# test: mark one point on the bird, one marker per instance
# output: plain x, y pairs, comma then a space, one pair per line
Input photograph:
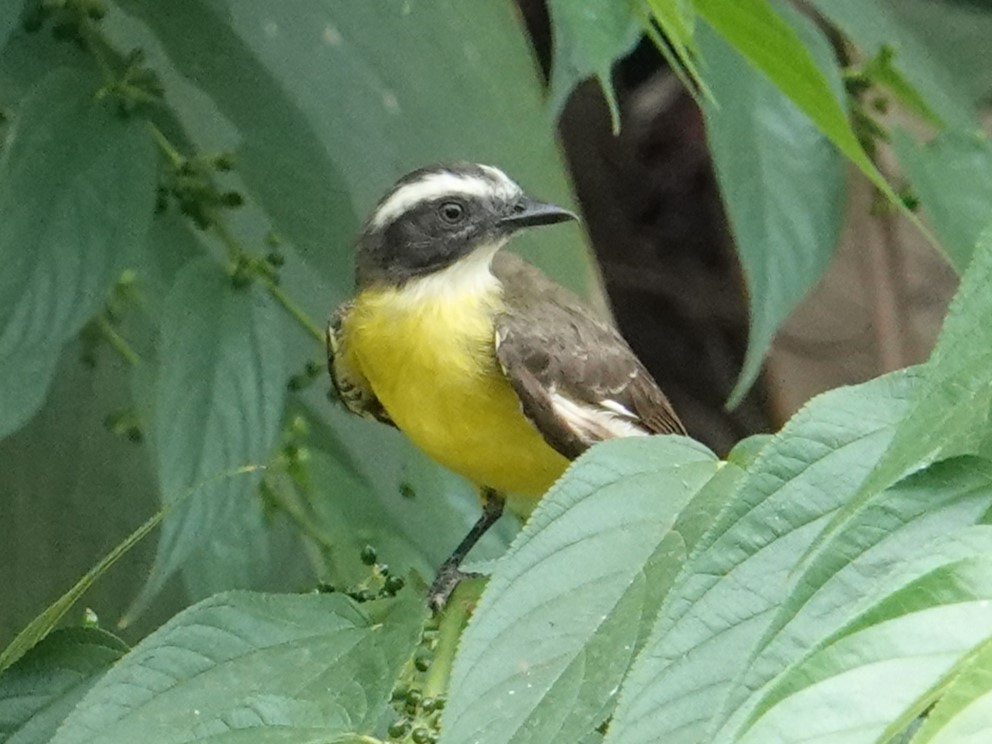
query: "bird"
490, 367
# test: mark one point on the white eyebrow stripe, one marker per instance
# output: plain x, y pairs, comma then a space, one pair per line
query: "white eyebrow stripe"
437, 185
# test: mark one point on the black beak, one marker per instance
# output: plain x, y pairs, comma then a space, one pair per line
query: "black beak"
527, 213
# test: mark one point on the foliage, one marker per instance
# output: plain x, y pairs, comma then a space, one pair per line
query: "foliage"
180, 185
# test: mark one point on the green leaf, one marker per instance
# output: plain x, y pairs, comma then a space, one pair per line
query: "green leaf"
892, 650
39, 691
952, 176
42, 625
588, 38
327, 110
253, 668
77, 185
873, 26
964, 711
761, 36
597, 554
949, 412
9, 21
785, 224
738, 572
218, 404
677, 19
910, 530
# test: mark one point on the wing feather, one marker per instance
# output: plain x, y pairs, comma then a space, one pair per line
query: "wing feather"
348, 382
577, 379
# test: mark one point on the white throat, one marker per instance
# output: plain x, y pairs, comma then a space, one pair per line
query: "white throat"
469, 276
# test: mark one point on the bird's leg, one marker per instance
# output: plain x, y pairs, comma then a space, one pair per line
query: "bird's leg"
449, 574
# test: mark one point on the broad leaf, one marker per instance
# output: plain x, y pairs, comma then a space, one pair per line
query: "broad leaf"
9, 22
912, 529
218, 403
785, 224
253, 668
588, 38
596, 556
896, 650
952, 176
77, 185
39, 628
949, 412
738, 574
768, 43
963, 714
38, 692
874, 25
327, 109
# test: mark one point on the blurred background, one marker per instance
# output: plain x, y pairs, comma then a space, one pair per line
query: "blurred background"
322, 105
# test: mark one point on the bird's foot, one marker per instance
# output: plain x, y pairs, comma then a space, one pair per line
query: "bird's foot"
449, 576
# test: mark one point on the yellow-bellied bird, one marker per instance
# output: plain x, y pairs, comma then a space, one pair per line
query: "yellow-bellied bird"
491, 368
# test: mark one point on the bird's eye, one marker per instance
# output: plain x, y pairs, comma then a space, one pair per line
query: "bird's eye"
451, 212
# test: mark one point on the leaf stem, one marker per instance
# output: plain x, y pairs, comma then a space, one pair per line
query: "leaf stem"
234, 250
116, 341
453, 622
174, 156
296, 515
292, 308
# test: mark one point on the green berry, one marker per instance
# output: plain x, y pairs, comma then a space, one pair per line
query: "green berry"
368, 555
421, 735
394, 584
232, 199
398, 728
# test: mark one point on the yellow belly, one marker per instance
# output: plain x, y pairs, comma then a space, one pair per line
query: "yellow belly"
432, 365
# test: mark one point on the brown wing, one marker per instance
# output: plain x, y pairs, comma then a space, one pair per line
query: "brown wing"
577, 379
349, 383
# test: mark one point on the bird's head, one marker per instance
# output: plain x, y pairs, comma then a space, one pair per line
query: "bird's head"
435, 216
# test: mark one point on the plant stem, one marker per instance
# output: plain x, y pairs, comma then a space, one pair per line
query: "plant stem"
453, 622
292, 308
296, 515
165, 145
117, 341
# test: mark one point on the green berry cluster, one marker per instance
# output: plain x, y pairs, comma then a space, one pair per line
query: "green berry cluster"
66, 17
311, 371
190, 183
418, 716
380, 584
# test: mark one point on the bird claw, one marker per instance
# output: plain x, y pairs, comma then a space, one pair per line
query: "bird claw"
449, 576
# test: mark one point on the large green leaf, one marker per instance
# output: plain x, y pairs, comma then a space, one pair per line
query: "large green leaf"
38, 692
9, 21
596, 556
956, 35
896, 650
218, 403
911, 530
253, 668
767, 41
963, 714
588, 38
738, 573
874, 25
39, 628
950, 407
952, 176
76, 190
327, 108
785, 224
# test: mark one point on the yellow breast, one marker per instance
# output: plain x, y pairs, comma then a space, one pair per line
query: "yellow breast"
429, 357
